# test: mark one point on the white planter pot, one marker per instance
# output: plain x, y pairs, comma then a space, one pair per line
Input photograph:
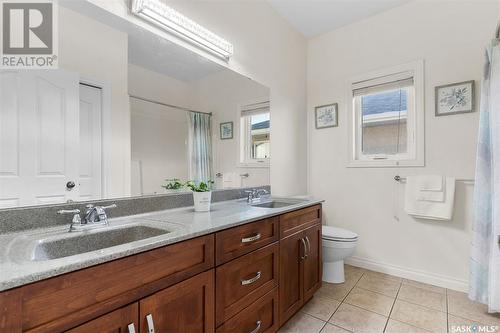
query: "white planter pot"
202, 201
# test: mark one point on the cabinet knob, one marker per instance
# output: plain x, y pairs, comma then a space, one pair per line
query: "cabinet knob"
70, 185
251, 239
256, 329
252, 280
151, 324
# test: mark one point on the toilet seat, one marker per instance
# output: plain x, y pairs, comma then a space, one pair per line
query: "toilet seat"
338, 234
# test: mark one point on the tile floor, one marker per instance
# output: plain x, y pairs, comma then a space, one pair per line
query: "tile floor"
372, 302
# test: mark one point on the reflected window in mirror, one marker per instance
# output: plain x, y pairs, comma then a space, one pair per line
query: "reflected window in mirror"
255, 134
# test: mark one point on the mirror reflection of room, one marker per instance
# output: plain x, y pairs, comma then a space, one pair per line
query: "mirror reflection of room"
127, 112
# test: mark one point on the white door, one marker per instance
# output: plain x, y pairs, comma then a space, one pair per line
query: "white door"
90, 142
39, 137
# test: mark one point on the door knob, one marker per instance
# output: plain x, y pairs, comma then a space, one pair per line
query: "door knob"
70, 185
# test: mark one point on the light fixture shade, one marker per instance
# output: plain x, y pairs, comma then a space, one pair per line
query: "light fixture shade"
157, 12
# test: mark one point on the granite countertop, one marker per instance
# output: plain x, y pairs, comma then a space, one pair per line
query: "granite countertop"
17, 249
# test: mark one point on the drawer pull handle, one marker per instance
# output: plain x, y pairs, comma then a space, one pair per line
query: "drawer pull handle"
252, 280
131, 328
151, 324
258, 327
308, 246
251, 239
304, 256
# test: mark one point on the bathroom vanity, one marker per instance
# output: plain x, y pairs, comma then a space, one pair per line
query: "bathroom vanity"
239, 268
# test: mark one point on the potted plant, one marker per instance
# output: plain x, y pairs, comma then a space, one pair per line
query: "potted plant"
173, 185
202, 195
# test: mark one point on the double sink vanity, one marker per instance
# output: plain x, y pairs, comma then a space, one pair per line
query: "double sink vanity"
239, 268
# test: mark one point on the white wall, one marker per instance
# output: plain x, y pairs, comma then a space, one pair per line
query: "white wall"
451, 40
222, 94
99, 53
268, 50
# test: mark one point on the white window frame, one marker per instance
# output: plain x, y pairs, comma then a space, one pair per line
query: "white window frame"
245, 136
414, 121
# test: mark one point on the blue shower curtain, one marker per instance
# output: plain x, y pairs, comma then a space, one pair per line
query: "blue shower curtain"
200, 146
485, 254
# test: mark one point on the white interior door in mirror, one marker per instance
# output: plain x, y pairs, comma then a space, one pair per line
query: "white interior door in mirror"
39, 137
90, 142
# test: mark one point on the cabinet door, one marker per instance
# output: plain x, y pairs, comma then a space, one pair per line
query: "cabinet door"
186, 307
313, 263
291, 289
124, 320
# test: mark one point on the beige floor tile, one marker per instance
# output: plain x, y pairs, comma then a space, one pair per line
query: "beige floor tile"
382, 275
457, 324
370, 300
394, 326
321, 307
460, 305
358, 320
425, 286
337, 291
422, 297
353, 273
379, 284
302, 323
329, 328
419, 316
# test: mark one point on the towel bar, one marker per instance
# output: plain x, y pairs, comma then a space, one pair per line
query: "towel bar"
400, 179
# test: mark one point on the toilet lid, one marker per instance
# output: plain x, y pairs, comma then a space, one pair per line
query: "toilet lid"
334, 233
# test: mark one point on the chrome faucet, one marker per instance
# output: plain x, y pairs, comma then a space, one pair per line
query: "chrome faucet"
95, 216
255, 194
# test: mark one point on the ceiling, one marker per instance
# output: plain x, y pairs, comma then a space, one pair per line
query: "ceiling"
314, 17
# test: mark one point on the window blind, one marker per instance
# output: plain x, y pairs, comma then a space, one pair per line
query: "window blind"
384, 83
255, 109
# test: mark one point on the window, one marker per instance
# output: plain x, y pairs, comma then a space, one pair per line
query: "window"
255, 134
387, 118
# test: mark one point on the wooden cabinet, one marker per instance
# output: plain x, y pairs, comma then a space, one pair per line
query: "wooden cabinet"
313, 263
234, 242
300, 260
186, 307
250, 278
123, 320
291, 276
242, 281
261, 317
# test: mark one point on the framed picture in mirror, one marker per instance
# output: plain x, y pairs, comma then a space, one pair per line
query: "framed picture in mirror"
226, 130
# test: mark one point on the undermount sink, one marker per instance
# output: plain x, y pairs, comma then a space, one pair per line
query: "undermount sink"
273, 204
87, 242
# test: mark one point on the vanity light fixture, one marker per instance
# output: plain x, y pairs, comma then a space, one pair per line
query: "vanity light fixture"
158, 13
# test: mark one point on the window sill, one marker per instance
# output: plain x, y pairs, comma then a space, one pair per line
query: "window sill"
385, 164
253, 165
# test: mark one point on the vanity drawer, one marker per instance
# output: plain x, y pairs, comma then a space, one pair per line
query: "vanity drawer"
237, 241
58, 303
293, 222
242, 281
261, 315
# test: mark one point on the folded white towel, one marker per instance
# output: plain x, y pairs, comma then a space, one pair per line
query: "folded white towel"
231, 180
423, 205
432, 183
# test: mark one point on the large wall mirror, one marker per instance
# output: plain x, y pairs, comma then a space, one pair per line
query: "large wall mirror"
125, 111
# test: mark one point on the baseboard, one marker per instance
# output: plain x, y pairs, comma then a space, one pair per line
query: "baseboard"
412, 274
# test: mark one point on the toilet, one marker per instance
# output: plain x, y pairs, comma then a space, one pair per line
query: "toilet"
338, 244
